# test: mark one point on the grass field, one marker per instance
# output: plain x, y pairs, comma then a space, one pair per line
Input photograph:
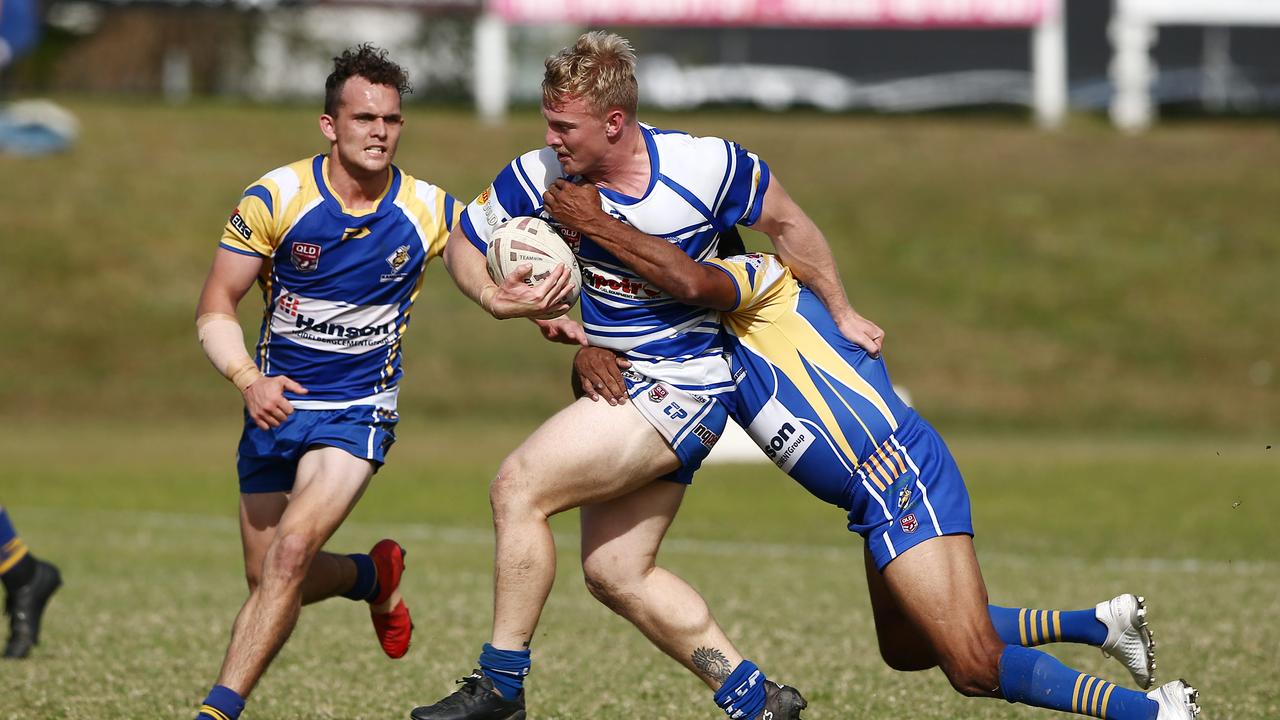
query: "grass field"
141, 520
1090, 319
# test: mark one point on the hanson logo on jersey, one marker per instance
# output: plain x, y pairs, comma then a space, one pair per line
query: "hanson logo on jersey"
333, 326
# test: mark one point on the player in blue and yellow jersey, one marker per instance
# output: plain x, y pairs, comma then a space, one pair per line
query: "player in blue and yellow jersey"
607, 459
29, 582
339, 244
824, 411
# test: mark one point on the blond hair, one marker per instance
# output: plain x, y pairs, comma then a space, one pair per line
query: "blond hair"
600, 69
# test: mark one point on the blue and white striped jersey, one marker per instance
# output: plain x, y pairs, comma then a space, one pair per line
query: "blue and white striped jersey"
698, 188
338, 284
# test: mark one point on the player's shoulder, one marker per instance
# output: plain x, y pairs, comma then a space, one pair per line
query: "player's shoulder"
425, 199
679, 140
278, 187
683, 154
537, 169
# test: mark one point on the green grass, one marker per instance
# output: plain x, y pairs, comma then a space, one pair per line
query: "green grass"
142, 521
1082, 280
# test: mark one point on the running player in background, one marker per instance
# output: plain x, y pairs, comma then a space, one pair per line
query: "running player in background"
339, 244
689, 190
824, 411
28, 584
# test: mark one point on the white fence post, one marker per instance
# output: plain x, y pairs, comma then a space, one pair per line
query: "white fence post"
492, 74
1049, 66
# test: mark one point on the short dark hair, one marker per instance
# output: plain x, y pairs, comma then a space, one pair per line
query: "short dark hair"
368, 62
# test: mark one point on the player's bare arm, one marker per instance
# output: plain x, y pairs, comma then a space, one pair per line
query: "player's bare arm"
220, 335
654, 259
804, 249
513, 298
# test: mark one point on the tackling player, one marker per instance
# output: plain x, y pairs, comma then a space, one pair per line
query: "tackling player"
339, 244
28, 584
824, 411
688, 190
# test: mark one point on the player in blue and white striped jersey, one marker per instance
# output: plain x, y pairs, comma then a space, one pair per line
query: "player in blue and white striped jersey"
687, 190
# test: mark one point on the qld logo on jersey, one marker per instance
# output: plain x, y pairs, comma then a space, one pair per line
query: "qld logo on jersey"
909, 523
334, 326
305, 256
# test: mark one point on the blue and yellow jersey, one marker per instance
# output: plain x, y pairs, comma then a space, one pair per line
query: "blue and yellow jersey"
817, 404
699, 187
338, 284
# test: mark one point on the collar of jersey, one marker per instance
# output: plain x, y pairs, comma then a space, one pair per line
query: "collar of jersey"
654, 169
335, 204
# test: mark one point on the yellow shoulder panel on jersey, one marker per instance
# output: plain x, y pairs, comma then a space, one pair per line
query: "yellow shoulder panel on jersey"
766, 290
433, 211
269, 208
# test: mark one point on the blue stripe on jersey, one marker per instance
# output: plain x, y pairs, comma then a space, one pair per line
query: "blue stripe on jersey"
728, 170
239, 251
470, 231
527, 202
689, 197
449, 202
262, 194
654, 172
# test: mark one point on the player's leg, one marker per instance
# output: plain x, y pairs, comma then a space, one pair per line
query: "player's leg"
903, 646
329, 483
939, 588
1117, 626
620, 540
588, 452
28, 584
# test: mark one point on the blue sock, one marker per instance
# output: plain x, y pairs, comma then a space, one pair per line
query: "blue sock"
366, 585
17, 567
742, 694
506, 668
1029, 628
223, 703
1034, 678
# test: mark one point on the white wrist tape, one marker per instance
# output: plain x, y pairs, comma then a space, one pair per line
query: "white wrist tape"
223, 343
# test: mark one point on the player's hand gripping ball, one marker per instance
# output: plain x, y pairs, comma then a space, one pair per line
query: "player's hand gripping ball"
532, 240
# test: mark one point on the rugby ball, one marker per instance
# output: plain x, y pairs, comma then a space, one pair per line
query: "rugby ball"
532, 240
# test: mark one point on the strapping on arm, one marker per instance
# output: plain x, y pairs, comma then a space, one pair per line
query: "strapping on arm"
223, 343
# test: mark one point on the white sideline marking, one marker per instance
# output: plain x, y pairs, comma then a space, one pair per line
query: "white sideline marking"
726, 548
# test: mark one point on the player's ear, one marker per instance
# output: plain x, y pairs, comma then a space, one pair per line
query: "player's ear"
328, 128
614, 121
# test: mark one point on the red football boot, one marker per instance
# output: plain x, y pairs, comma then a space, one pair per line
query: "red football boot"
394, 628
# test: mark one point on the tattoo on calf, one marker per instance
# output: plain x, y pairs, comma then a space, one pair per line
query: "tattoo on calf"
712, 663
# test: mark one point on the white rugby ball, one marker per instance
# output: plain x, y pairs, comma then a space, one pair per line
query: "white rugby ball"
532, 240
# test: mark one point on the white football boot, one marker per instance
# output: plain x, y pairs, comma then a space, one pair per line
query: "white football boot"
1128, 637
1177, 701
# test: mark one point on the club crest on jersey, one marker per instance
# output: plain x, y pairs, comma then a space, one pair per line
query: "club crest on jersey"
909, 523
306, 256
657, 394
904, 498
571, 237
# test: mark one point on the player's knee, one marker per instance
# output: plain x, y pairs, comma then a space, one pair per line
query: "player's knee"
288, 559
253, 578
609, 582
974, 673
512, 494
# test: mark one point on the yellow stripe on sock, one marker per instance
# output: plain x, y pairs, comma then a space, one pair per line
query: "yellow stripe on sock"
16, 550
1022, 627
1057, 626
1105, 699
1075, 691
213, 712
1087, 695
1044, 627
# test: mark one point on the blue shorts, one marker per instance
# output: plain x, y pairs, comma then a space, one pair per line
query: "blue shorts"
910, 490
690, 421
267, 460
